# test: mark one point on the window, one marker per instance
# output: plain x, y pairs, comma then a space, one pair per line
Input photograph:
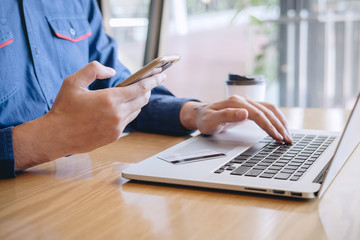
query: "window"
309, 50
127, 22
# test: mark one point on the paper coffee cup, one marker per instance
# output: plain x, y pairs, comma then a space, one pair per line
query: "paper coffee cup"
253, 87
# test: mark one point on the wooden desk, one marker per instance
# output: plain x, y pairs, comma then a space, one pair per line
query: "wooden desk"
84, 197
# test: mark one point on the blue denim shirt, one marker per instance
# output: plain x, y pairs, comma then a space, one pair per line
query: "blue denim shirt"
43, 42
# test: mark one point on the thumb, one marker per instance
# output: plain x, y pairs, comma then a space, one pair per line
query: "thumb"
94, 70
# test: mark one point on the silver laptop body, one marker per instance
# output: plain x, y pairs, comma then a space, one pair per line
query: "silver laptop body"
234, 171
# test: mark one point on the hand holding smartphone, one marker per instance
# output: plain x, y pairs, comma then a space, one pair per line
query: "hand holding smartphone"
161, 63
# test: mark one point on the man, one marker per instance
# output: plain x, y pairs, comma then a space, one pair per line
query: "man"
45, 50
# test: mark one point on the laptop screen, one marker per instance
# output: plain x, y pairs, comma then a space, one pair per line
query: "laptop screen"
349, 140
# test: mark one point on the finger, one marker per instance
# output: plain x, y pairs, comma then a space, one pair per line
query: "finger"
94, 70
137, 103
120, 128
140, 88
150, 73
218, 119
274, 120
277, 113
255, 114
130, 118
260, 118
228, 115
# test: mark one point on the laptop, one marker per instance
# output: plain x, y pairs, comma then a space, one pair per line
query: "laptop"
246, 159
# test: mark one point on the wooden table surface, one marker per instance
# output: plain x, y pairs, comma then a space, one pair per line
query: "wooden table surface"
85, 197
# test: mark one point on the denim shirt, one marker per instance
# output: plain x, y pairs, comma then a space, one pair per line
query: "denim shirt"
43, 42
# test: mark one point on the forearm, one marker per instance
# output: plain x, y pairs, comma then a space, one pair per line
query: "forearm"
34, 143
162, 114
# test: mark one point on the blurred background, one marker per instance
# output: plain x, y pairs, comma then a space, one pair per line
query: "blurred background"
308, 50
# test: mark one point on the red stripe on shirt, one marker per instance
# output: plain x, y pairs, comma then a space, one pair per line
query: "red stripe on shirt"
76, 39
6, 43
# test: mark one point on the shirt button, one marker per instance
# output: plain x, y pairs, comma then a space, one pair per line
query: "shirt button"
51, 101
37, 51
72, 31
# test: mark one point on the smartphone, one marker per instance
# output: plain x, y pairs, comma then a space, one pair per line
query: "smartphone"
148, 70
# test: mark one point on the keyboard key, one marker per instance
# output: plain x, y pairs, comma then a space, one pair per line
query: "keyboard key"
282, 161
248, 165
307, 152
230, 168
275, 168
240, 170
278, 165
306, 155
252, 162
282, 176
294, 178
293, 152
254, 149
267, 161
298, 161
288, 171
292, 167
298, 174
253, 173
237, 161
260, 167
294, 164
267, 175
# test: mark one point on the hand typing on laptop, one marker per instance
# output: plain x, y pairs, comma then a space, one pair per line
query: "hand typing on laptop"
214, 118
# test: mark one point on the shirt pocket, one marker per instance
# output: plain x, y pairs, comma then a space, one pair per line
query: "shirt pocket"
71, 37
8, 86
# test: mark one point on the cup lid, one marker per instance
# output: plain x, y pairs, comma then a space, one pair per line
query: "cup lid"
235, 79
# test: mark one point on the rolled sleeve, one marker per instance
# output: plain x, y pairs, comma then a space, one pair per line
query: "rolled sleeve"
162, 114
7, 163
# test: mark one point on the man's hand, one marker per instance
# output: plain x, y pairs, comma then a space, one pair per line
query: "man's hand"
81, 120
214, 118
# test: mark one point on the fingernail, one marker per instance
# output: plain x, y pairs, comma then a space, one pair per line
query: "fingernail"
280, 136
111, 71
241, 115
288, 136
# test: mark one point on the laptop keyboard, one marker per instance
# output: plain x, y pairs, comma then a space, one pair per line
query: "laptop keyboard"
272, 159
